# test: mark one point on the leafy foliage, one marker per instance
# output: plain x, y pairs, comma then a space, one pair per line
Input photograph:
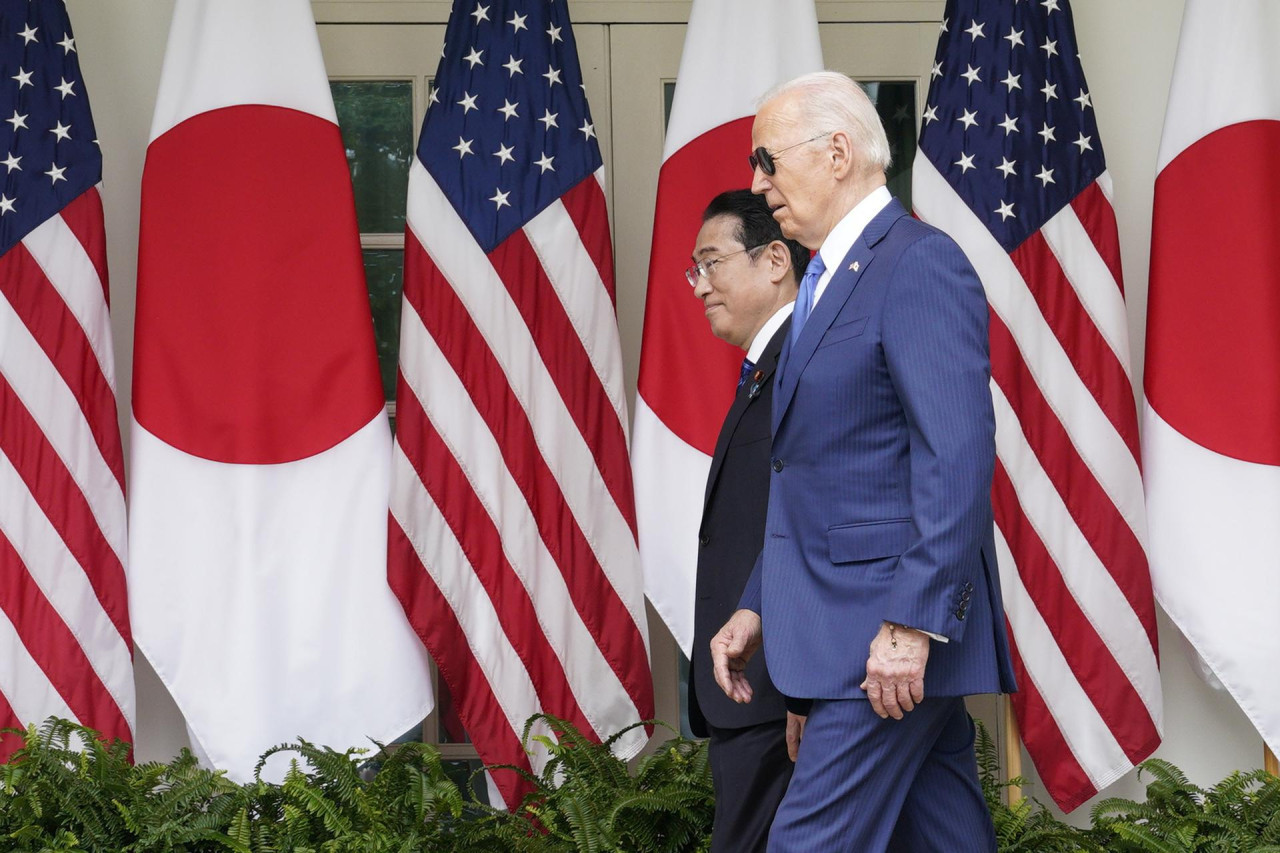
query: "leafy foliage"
66, 791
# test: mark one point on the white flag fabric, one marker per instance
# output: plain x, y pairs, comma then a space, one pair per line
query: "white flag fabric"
261, 453
1211, 414
734, 52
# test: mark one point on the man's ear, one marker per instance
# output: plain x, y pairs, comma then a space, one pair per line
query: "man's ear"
779, 261
841, 153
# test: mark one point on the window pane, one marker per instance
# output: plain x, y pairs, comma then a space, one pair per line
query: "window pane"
376, 118
896, 104
463, 774
450, 728
384, 272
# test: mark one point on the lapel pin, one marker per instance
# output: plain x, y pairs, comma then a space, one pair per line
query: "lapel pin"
854, 266
757, 380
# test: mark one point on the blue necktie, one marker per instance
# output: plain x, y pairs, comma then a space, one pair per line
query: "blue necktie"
747, 366
804, 299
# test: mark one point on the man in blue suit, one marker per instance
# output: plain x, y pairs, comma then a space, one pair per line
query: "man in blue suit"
876, 594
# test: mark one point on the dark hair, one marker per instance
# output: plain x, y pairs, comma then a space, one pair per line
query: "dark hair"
756, 225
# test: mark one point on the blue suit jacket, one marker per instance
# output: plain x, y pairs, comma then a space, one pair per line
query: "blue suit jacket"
882, 459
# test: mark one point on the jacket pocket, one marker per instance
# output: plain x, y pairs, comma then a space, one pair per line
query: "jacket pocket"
870, 540
844, 331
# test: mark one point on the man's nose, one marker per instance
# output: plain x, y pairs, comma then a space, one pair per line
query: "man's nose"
759, 181
703, 288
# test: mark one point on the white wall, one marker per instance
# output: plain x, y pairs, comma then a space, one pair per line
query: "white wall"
1128, 51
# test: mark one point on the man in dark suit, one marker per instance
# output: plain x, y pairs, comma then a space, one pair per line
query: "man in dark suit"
745, 273
876, 594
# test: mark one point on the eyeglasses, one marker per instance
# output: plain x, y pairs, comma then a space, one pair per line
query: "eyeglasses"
764, 161
702, 269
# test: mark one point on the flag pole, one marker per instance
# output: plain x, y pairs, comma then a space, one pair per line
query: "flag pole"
1269, 761
1012, 751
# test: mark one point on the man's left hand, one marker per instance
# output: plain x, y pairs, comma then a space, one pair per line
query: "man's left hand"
895, 670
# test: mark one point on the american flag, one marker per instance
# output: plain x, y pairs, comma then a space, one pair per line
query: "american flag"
65, 646
1010, 164
512, 530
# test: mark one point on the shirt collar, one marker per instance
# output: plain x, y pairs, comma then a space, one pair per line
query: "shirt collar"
762, 338
847, 232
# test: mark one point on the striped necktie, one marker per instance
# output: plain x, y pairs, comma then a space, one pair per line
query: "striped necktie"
805, 298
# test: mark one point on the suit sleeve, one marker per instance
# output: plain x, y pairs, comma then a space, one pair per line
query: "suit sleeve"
936, 348
751, 594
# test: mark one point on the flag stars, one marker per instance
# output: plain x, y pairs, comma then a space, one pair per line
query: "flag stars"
1083, 100
937, 70
930, 114
965, 162
56, 174
1012, 81
553, 76
11, 163
1084, 143
545, 164
468, 102
1007, 166
66, 88
1005, 210
500, 199
29, 34
517, 21
1014, 38
1046, 132
554, 32
1050, 6
481, 13
1010, 124
1050, 48
969, 119
474, 57
19, 122
6, 204
23, 78
463, 147
508, 110
1045, 176
975, 30
588, 130
1050, 91
504, 154
944, 26
433, 97
548, 119
68, 44
513, 66
971, 74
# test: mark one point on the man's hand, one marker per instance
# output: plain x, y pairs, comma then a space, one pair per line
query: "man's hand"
731, 648
895, 670
795, 733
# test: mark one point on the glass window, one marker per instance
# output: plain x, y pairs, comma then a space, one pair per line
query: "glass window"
384, 273
376, 118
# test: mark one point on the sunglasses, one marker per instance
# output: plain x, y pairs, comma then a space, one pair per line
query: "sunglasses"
766, 162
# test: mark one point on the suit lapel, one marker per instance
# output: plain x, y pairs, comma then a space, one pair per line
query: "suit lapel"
843, 281
742, 400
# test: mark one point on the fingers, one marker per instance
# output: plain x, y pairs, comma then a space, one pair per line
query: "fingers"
795, 733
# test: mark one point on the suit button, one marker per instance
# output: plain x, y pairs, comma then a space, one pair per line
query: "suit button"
964, 596
960, 614
777, 465
704, 539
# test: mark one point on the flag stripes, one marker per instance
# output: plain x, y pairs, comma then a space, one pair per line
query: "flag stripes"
1067, 493
586, 206
512, 503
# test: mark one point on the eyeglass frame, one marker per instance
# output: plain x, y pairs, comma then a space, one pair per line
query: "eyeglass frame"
702, 269
764, 161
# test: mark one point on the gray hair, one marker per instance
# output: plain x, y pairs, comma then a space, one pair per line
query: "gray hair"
830, 101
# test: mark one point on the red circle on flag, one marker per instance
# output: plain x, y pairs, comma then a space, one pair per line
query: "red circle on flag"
687, 374
1213, 312
253, 341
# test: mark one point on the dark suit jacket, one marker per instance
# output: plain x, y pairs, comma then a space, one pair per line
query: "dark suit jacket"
730, 536
880, 483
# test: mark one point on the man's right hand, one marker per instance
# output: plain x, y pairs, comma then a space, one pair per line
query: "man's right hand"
731, 648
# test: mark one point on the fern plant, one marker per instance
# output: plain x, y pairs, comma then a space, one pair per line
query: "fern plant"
1025, 826
586, 799
1241, 814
